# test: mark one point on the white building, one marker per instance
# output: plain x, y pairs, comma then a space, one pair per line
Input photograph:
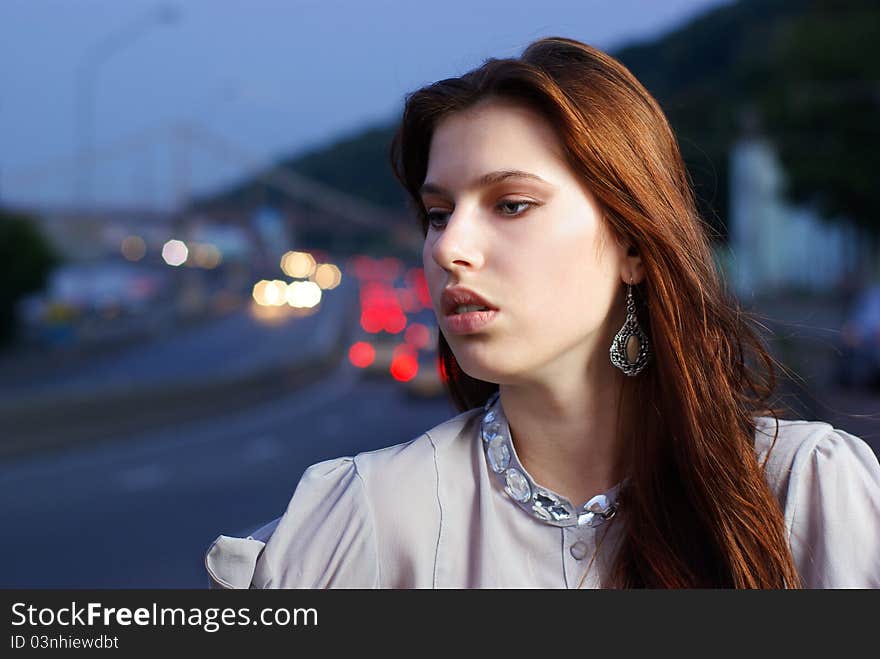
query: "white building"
777, 246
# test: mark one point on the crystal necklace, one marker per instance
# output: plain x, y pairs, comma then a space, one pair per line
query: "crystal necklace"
538, 501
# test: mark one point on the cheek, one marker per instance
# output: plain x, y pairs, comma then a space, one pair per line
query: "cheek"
433, 273
566, 287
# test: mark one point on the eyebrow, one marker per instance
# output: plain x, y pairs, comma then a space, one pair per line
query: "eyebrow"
487, 179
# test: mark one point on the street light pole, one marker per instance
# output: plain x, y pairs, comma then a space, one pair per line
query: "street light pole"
86, 93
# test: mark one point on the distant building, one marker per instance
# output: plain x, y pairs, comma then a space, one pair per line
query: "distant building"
777, 246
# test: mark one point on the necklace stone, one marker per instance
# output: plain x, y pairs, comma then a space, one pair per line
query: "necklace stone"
539, 502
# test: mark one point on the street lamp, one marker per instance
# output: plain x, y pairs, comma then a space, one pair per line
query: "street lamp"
86, 90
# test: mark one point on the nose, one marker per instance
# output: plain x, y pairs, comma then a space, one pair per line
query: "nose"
459, 244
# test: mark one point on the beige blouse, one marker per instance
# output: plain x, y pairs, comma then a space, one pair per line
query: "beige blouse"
430, 513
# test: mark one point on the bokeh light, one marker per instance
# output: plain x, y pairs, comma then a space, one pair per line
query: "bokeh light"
418, 335
372, 320
415, 280
270, 293
134, 248
327, 276
259, 292
175, 252
395, 321
276, 293
404, 363
303, 294
361, 354
206, 256
298, 264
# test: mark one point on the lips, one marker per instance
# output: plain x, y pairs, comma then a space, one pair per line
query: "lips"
470, 322
455, 296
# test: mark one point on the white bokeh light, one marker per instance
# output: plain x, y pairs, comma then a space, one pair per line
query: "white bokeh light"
175, 252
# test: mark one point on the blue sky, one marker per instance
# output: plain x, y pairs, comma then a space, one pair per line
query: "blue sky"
269, 77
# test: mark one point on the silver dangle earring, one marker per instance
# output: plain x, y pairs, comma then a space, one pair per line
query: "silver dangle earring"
630, 350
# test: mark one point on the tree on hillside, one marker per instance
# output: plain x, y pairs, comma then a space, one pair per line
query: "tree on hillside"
811, 70
26, 259
820, 104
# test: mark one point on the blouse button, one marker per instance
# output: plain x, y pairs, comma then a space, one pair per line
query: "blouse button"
578, 550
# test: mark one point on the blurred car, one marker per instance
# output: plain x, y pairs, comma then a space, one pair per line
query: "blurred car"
422, 334
397, 337
96, 302
392, 357
859, 361
379, 361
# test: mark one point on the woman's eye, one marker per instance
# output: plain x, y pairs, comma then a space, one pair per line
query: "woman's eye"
514, 204
438, 219
435, 218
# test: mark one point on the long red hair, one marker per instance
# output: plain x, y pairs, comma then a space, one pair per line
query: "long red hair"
699, 511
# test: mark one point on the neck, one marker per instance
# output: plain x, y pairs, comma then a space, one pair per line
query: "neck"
564, 429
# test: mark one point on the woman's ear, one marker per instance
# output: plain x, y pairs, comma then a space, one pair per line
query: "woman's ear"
631, 268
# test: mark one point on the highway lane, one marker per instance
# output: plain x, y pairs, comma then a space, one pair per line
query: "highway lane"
141, 512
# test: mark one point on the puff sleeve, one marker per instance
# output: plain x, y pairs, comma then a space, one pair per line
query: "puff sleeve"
833, 512
325, 539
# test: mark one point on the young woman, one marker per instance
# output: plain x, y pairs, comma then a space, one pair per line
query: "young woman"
614, 427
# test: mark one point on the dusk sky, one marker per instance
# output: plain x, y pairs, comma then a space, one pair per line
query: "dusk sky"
270, 78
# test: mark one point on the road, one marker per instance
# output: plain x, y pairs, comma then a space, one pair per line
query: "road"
141, 513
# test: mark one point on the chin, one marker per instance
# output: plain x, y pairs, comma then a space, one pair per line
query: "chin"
479, 366
492, 359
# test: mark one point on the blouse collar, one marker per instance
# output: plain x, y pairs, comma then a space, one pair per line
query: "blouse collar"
540, 502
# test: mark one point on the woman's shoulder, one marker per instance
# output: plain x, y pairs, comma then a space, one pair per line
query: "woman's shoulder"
798, 445
328, 534
827, 481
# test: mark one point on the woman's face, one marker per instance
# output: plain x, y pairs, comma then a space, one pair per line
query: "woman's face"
534, 247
